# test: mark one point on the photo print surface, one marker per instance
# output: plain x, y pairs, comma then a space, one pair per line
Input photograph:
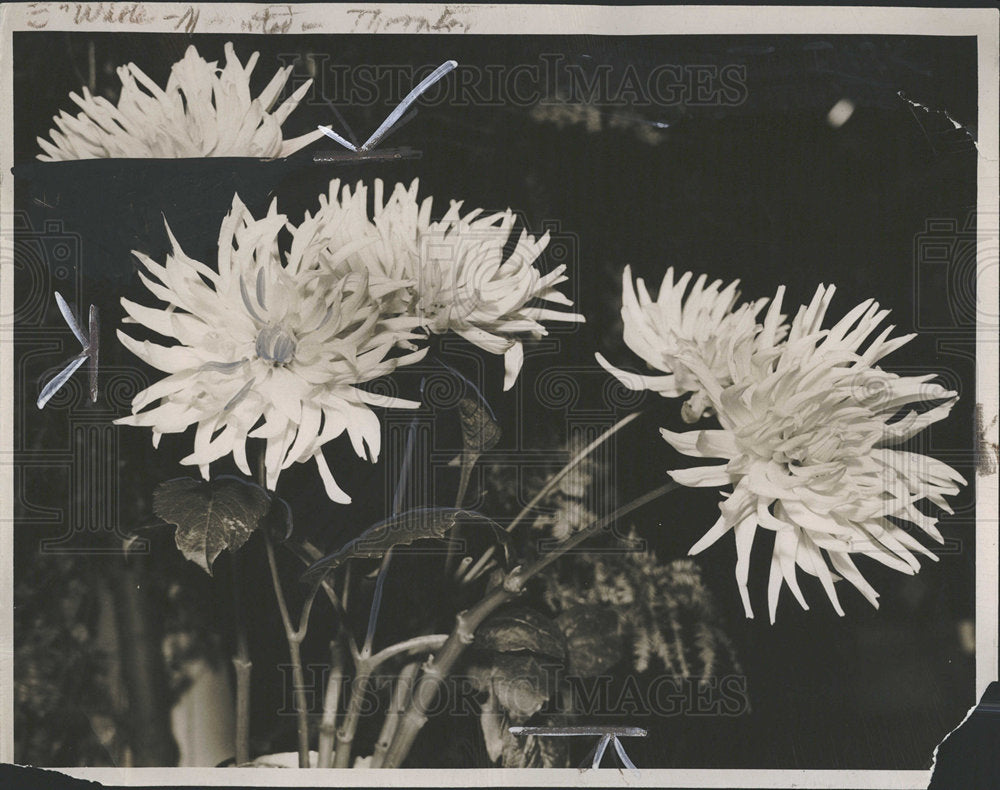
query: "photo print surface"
387, 398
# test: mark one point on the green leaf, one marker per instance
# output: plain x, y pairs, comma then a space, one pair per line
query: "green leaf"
211, 516
593, 639
521, 629
403, 529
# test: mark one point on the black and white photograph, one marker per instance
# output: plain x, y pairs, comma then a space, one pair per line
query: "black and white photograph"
535, 395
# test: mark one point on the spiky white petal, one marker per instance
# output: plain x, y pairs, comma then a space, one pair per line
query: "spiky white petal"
202, 111
264, 350
809, 431
454, 273
704, 322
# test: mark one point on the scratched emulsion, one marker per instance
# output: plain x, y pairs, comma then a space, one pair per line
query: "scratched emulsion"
987, 452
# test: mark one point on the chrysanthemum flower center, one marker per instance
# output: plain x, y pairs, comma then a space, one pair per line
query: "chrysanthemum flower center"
803, 441
275, 344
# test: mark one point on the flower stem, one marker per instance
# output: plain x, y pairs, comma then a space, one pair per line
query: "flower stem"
346, 585
574, 462
366, 649
294, 637
331, 701
417, 644
243, 666
437, 669
397, 502
307, 554
480, 566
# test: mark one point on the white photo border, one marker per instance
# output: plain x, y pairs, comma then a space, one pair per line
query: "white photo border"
419, 19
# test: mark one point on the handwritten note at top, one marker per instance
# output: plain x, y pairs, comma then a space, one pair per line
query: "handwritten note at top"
275, 18
375, 20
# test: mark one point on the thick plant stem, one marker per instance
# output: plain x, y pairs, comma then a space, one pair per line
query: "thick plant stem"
364, 668
345, 735
437, 668
243, 666
331, 701
400, 698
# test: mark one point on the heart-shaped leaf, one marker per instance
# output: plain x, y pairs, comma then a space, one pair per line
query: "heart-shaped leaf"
520, 629
211, 516
399, 530
593, 639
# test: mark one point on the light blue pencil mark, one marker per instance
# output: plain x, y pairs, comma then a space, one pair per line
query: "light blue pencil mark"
609, 736
89, 353
393, 117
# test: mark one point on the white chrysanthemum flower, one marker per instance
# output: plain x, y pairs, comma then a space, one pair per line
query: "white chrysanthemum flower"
341, 238
705, 323
809, 432
458, 278
264, 350
203, 111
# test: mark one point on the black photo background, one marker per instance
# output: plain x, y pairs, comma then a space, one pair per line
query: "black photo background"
751, 182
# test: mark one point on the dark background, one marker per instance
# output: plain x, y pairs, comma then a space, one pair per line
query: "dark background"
764, 190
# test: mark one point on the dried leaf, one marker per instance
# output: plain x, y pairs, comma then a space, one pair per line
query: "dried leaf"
533, 751
521, 629
519, 682
493, 722
403, 529
480, 432
210, 516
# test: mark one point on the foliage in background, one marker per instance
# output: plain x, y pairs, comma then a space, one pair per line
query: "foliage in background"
63, 691
664, 610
